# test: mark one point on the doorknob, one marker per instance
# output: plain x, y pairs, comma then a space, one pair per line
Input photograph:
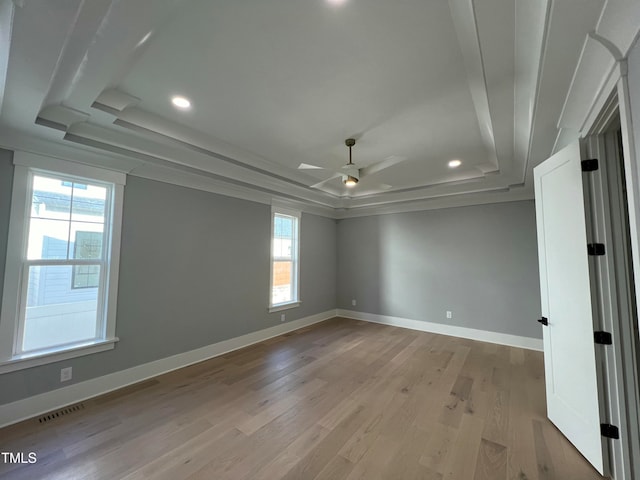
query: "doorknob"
544, 321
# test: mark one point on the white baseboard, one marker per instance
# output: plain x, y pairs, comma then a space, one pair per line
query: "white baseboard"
38, 404
443, 329
45, 402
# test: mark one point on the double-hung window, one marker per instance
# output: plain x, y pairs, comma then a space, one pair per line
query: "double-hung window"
285, 265
61, 274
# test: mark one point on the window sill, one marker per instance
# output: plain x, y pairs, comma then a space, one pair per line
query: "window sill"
284, 306
21, 362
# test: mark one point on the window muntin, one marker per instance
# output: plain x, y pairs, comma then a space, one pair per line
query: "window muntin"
284, 258
63, 282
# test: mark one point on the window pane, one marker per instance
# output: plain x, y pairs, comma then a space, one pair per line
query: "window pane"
86, 240
282, 248
48, 239
56, 313
282, 286
283, 227
51, 198
282, 236
88, 203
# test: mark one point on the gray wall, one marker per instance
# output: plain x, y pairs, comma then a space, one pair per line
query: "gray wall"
479, 262
634, 93
194, 270
6, 182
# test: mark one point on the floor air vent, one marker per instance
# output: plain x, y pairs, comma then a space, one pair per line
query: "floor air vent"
61, 413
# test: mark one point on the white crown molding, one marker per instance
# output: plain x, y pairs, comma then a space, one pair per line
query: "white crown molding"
30, 407
436, 203
14, 140
445, 329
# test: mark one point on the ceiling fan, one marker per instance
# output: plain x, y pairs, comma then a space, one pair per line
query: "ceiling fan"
351, 173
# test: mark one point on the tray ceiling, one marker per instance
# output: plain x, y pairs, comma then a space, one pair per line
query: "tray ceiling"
279, 83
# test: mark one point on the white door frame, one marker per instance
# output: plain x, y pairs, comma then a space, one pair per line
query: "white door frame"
620, 358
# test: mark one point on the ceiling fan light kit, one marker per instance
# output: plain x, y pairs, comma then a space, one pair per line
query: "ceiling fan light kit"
349, 180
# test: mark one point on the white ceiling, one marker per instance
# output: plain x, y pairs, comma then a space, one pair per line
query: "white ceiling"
497, 84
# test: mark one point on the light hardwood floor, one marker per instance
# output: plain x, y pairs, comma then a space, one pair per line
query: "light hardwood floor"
339, 400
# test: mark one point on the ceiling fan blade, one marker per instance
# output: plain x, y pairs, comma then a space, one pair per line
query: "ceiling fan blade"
319, 184
384, 164
307, 166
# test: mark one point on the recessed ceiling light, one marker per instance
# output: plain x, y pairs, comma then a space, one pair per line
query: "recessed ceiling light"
336, 2
455, 163
181, 102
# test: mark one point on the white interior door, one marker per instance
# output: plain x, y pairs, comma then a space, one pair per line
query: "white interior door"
569, 349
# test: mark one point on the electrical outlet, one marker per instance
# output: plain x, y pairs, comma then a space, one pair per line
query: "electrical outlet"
353, 302
449, 314
282, 317
66, 374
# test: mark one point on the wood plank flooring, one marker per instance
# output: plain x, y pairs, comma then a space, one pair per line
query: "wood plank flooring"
339, 400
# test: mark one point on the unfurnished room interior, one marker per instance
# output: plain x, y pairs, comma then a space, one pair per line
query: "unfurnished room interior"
322, 239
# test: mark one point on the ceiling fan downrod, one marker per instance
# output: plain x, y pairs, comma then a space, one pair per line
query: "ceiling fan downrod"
350, 142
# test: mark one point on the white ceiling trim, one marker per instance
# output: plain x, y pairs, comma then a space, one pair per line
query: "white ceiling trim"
532, 23
171, 173
556, 74
198, 159
180, 159
77, 128
618, 24
128, 115
600, 66
86, 26
76, 63
464, 20
481, 187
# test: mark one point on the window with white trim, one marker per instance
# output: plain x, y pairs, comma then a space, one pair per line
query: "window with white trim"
62, 260
285, 265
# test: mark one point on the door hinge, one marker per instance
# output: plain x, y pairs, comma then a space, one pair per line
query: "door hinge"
589, 165
595, 248
609, 431
602, 338
544, 321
